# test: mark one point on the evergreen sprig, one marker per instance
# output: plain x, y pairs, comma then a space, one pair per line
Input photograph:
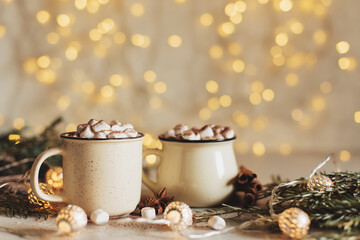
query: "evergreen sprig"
330, 210
338, 207
14, 202
14, 198
27, 147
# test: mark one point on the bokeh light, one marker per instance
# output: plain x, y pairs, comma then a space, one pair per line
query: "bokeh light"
206, 19
63, 20
342, 47
216, 52
160, 87
204, 114
2, 31
107, 91
268, 95
63, 102
258, 149
292, 79
150, 76
281, 39
212, 86
225, 100
357, 116
43, 16
344, 155
116, 80
174, 41
286, 5
285, 149
18, 123
137, 9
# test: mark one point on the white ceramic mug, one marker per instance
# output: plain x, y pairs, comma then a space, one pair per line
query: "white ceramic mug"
97, 173
200, 173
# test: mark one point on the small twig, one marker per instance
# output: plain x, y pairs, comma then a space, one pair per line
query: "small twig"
17, 163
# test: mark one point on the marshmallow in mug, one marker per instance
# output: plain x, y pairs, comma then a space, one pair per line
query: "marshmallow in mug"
102, 130
207, 132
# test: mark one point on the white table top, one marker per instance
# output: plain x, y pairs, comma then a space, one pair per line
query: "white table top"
33, 228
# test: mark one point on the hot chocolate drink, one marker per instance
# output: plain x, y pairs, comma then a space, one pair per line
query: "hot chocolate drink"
206, 133
102, 130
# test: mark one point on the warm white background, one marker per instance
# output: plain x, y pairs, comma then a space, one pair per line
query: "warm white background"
186, 69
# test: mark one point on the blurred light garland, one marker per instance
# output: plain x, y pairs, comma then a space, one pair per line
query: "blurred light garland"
103, 35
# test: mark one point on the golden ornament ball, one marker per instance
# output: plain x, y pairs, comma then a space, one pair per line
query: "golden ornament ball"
54, 177
319, 182
294, 222
179, 214
45, 188
71, 218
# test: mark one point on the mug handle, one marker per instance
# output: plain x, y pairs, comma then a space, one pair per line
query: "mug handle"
34, 175
146, 180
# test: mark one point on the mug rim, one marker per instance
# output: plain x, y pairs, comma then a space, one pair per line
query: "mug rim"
198, 141
140, 136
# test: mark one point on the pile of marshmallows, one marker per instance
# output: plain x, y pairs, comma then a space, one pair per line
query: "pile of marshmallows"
101, 129
207, 132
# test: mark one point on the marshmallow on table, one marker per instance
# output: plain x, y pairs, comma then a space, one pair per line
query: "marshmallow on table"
86, 132
216, 222
206, 132
99, 217
180, 128
148, 212
100, 126
228, 133
92, 122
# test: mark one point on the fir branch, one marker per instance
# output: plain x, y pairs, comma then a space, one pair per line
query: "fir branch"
334, 209
28, 147
14, 202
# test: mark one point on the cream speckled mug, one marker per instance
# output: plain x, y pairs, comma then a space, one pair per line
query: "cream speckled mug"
97, 173
199, 173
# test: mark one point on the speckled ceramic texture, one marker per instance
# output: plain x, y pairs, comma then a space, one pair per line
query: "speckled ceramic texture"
200, 174
102, 174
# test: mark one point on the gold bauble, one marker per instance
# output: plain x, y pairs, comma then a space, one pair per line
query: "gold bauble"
179, 214
71, 218
45, 188
54, 177
319, 182
294, 222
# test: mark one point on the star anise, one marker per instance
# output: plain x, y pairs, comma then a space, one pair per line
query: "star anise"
162, 198
149, 202
159, 202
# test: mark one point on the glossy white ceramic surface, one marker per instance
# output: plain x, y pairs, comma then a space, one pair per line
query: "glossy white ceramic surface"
199, 173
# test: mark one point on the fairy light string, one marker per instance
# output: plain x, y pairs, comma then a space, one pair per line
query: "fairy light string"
272, 198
